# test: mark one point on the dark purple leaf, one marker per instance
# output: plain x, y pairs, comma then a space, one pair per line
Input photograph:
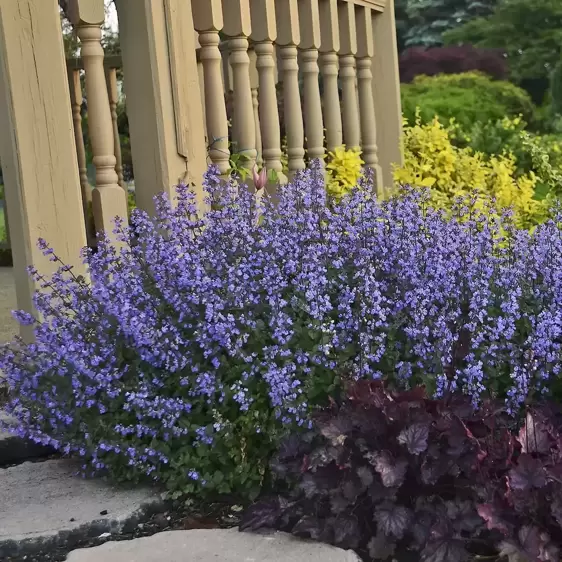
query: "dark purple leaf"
380, 547
529, 473
264, 513
366, 475
351, 489
414, 438
556, 508
491, 516
346, 531
335, 429
531, 539
308, 485
379, 493
393, 519
308, 526
533, 436
323, 456
449, 550
433, 469
463, 515
338, 503
392, 471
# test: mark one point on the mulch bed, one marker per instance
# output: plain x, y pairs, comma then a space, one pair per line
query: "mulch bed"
179, 517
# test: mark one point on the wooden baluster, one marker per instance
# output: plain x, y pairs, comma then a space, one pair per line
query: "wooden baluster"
386, 90
348, 75
365, 53
111, 79
108, 198
264, 33
330, 46
201, 79
310, 43
237, 21
288, 38
208, 21
76, 104
255, 84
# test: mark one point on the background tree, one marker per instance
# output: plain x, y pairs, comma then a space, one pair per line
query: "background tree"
530, 34
423, 22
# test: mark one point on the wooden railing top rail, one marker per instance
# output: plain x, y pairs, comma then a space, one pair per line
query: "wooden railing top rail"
111, 61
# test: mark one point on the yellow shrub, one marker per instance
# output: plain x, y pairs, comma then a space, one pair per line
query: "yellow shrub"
431, 160
343, 170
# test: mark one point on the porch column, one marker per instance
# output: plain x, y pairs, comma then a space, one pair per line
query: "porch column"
37, 146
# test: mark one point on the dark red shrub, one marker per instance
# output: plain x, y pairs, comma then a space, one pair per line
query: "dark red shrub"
451, 60
391, 475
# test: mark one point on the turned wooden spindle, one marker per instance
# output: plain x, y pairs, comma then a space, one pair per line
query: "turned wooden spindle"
208, 20
348, 75
365, 54
237, 25
309, 17
113, 93
264, 33
288, 38
108, 198
329, 48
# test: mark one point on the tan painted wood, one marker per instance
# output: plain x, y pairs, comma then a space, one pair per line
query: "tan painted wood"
365, 53
330, 34
264, 33
237, 25
108, 198
160, 76
113, 93
288, 37
310, 43
37, 146
348, 75
386, 91
208, 20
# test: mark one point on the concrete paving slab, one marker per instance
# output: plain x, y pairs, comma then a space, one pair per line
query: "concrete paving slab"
46, 503
212, 545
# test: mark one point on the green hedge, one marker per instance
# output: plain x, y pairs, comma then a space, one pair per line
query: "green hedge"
467, 97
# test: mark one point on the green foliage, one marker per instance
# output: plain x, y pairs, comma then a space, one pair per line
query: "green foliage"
466, 97
556, 89
530, 33
428, 20
432, 160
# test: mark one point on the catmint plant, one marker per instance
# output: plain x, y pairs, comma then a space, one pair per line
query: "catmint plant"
201, 340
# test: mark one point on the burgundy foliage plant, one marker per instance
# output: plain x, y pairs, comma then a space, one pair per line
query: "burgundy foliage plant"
398, 475
451, 60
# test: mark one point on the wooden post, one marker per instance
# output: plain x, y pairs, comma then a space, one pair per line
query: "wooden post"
163, 97
386, 90
237, 25
309, 17
37, 147
208, 20
330, 46
264, 33
108, 198
348, 74
365, 53
288, 37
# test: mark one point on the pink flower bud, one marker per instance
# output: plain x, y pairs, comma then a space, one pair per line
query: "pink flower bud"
260, 179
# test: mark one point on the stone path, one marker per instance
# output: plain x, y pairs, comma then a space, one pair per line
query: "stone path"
214, 545
46, 504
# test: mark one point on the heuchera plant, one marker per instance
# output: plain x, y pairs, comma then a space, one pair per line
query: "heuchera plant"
399, 475
201, 340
